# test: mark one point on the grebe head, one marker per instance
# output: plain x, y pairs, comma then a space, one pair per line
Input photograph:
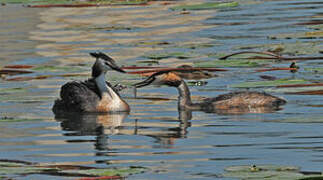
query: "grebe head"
103, 64
161, 78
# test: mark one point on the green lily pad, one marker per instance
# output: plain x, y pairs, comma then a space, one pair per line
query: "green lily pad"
269, 83
10, 168
318, 70
148, 62
205, 6
266, 172
295, 89
9, 119
12, 90
49, 68
164, 55
13, 167
109, 171
231, 63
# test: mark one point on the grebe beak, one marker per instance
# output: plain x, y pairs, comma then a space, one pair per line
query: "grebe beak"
115, 67
107, 61
146, 82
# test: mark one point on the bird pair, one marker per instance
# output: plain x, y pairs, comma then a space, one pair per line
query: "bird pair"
97, 95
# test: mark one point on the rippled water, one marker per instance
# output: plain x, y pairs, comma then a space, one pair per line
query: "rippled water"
180, 145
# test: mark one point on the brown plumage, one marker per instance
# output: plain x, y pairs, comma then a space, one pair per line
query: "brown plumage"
243, 101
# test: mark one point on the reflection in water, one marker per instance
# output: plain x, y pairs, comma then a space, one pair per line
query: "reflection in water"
102, 125
88, 124
99, 125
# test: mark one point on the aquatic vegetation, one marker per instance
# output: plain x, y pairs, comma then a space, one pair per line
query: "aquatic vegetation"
52, 68
23, 168
231, 63
269, 172
165, 55
11, 119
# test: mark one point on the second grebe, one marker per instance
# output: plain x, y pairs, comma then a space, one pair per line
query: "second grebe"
94, 94
241, 100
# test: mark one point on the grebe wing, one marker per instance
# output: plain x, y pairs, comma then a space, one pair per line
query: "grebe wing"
78, 97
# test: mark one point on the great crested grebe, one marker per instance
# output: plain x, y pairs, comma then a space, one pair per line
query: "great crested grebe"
241, 101
94, 94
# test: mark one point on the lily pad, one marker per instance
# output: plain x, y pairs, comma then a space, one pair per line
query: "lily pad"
12, 90
231, 63
164, 55
267, 172
49, 68
10, 168
277, 82
9, 119
297, 90
318, 70
109, 171
205, 6
13, 167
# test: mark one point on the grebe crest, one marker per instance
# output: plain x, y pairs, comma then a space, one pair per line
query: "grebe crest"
93, 95
243, 101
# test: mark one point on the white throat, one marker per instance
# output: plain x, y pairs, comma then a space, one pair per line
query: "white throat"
105, 90
100, 81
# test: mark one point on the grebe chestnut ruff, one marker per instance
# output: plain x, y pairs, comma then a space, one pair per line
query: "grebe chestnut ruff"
236, 100
94, 94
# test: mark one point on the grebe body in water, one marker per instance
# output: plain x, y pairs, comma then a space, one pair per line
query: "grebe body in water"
94, 94
236, 101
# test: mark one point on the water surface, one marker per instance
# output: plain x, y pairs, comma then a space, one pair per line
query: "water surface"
180, 145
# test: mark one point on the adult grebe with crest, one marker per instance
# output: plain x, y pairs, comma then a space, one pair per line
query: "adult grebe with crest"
94, 94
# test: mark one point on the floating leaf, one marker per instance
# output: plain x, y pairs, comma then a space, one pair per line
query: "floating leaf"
9, 119
164, 55
315, 70
15, 167
148, 62
12, 90
49, 68
269, 83
301, 89
205, 6
268, 172
108, 171
14, 71
18, 66
231, 63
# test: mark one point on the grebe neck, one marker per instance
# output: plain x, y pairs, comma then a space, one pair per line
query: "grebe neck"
184, 98
102, 85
